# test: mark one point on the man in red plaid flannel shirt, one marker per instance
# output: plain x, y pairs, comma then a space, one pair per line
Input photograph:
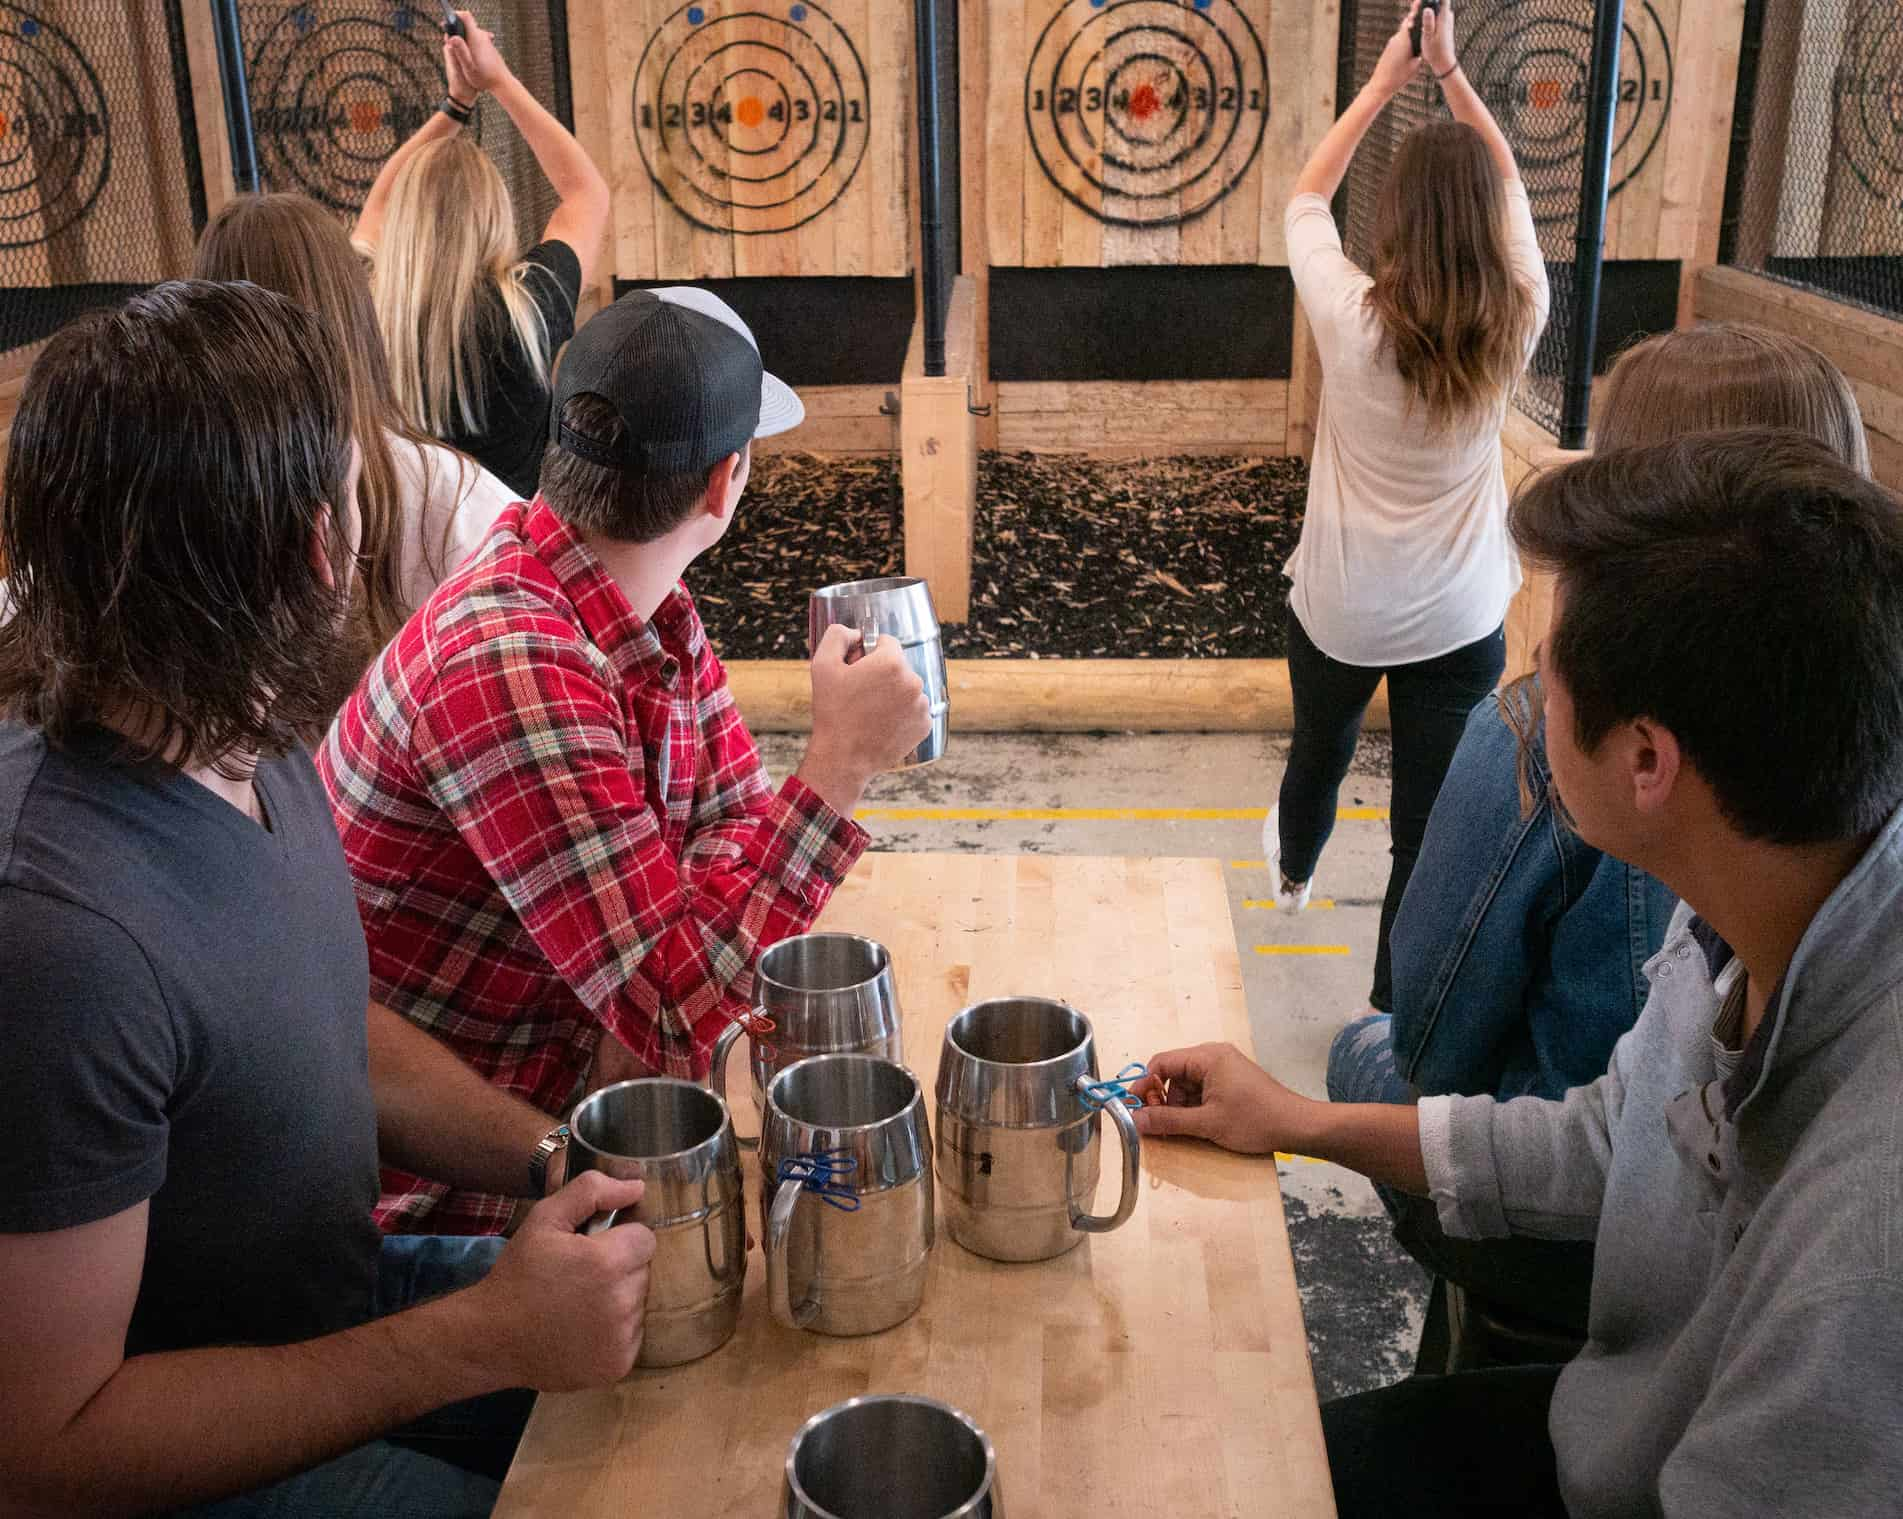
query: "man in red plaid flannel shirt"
565, 848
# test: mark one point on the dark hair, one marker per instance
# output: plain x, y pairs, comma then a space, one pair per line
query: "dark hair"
1745, 590
617, 503
170, 465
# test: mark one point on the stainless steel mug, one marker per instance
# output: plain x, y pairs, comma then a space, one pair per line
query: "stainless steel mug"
676, 1137
891, 1458
846, 1252
1017, 1140
895, 607
825, 994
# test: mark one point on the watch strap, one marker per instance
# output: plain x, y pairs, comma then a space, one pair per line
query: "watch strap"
545, 1150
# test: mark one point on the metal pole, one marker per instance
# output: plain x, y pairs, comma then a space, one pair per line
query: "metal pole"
1602, 94
930, 187
1743, 115
244, 147
563, 104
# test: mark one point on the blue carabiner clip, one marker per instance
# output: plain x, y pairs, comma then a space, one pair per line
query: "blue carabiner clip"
1100, 1094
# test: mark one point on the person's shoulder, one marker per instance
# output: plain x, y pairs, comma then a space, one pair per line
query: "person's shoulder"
556, 258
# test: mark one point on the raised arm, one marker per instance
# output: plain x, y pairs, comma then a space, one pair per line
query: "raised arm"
1322, 174
581, 217
1437, 51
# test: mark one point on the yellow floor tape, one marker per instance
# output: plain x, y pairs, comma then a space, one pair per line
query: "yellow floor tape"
1094, 815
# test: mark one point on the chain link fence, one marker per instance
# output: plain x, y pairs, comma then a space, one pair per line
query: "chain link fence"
1815, 196
1530, 60
101, 188
337, 85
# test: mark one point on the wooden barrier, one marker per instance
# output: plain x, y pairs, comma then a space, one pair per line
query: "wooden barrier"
1867, 347
939, 458
746, 143
1066, 695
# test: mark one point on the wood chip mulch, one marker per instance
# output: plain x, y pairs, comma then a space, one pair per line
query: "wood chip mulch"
1075, 558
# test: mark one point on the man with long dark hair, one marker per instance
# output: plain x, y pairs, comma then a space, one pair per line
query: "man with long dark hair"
1724, 710
193, 1297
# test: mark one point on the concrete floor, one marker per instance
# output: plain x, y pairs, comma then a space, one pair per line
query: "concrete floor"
1362, 1297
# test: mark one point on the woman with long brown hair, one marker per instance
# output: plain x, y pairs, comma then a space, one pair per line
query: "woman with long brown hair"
424, 506
1404, 568
471, 323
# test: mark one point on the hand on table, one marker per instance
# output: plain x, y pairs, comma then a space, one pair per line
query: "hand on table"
1215, 1092
1397, 65
565, 1310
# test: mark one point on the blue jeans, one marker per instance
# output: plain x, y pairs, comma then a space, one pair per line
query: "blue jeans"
447, 1465
1547, 1280
1428, 703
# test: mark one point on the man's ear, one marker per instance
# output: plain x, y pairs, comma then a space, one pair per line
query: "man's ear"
320, 548
1655, 764
722, 496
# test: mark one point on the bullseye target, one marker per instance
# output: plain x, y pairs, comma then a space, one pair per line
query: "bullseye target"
1869, 90
751, 119
1531, 60
1146, 113
55, 141
336, 86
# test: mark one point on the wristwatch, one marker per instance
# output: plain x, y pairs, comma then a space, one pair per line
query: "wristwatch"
545, 1150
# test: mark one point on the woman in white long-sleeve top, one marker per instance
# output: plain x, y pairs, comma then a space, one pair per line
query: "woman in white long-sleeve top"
1404, 568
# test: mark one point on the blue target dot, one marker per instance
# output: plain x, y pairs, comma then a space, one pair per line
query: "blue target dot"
29, 27
1097, 4
695, 15
404, 18
798, 13
1202, 5
302, 19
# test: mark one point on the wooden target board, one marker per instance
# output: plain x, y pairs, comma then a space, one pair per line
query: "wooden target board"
759, 137
55, 141
336, 87
1864, 211
1149, 131
1531, 62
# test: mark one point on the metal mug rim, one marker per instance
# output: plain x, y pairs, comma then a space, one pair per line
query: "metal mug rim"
760, 976
710, 1142
917, 1098
1090, 1033
873, 585
964, 1510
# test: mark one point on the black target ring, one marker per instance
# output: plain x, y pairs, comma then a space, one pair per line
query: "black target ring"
751, 120
56, 136
336, 87
1532, 65
1869, 90
1182, 95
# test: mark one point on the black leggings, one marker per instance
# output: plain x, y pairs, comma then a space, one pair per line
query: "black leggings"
1428, 705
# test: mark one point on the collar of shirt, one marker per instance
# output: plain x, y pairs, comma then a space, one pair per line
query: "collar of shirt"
655, 650
1742, 1079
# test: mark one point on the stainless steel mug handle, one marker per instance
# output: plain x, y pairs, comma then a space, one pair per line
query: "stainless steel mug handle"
779, 1225
868, 640
601, 1223
1091, 1223
717, 1077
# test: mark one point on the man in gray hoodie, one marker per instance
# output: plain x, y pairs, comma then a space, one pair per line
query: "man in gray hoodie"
1724, 709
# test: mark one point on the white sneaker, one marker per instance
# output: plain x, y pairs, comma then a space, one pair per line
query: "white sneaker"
1290, 896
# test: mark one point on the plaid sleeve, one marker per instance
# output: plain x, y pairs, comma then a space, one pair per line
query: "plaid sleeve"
522, 745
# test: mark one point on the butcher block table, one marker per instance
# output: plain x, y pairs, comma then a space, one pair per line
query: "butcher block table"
1157, 1370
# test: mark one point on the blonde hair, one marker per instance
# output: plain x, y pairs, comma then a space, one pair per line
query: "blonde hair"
448, 238
1710, 378
295, 247
1456, 318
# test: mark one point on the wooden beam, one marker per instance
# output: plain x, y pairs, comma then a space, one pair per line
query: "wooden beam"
1066, 695
1113, 419
939, 458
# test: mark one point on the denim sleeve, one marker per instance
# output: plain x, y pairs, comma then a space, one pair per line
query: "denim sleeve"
1477, 917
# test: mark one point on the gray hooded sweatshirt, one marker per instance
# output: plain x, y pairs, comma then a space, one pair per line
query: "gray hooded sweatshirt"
1746, 1336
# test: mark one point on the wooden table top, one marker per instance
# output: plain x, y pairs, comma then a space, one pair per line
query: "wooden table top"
1160, 1369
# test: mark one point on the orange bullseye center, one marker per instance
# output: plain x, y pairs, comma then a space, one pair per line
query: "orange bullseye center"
1144, 101
750, 111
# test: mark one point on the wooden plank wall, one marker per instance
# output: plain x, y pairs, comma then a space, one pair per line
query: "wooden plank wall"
1867, 347
741, 143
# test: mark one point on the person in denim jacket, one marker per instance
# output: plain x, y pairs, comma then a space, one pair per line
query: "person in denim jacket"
1518, 948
